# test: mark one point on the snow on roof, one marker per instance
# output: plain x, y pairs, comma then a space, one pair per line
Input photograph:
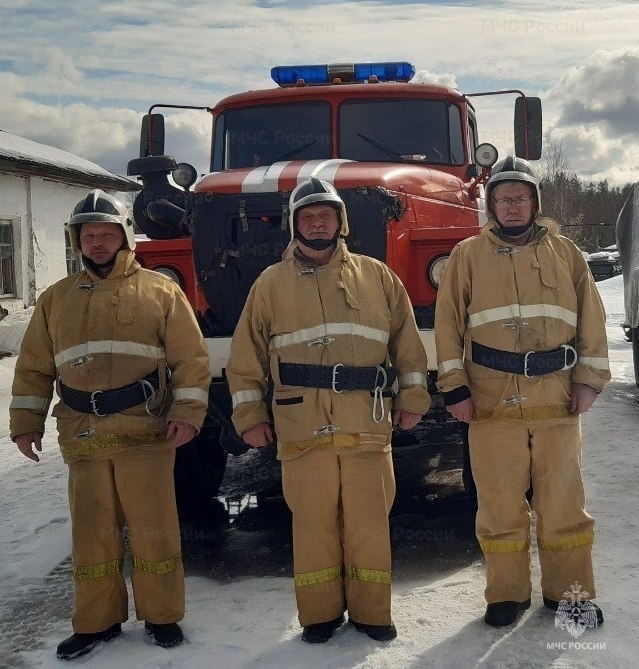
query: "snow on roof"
18, 154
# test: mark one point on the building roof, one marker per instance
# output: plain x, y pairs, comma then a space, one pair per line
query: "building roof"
19, 155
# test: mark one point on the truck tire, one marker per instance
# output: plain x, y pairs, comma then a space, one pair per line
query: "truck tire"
635, 353
198, 473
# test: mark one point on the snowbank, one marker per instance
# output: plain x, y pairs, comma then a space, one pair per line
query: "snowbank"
12, 329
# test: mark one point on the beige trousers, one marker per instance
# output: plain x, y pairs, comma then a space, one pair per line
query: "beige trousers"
341, 538
506, 457
133, 487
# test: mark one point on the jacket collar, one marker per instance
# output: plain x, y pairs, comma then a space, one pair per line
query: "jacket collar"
292, 252
125, 265
541, 227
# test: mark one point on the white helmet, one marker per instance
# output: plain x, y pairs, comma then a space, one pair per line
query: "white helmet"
100, 207
508, 170
316, 191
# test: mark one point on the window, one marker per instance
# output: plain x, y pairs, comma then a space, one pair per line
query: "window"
7, 260
264, 135
399, 129
474, 142
74, 263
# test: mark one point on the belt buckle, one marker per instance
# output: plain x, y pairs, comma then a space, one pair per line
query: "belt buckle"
334, 380
526, 357
573, 350
94, 408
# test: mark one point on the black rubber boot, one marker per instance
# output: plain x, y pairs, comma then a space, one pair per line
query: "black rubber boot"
552, 604
376, 632
501, 614
80, 644
165, 635
321, 632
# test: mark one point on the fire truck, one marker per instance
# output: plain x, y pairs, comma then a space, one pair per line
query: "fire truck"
405, 158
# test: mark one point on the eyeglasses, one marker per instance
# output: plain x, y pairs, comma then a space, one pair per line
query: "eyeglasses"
508, 202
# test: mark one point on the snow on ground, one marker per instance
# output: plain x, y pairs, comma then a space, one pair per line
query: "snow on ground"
252, 622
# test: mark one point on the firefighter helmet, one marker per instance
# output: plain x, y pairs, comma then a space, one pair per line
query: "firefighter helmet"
512, 169
315, 191
100, 207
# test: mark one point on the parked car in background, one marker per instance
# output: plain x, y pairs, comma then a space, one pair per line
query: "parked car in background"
604, 264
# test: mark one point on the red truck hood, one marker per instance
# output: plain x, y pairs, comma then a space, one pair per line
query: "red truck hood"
415, 180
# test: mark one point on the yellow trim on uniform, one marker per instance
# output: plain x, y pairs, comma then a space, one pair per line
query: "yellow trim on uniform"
520, 412
368, 575
93, 571
319, 576
566, 543
162, 567
105, 442
504, 545
360, 441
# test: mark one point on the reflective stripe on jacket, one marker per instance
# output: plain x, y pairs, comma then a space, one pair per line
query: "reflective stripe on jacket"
352, 311
98, 334
518, 299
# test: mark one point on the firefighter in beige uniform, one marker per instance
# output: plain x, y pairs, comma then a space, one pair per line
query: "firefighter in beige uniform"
521, 347
333, 330
106, 336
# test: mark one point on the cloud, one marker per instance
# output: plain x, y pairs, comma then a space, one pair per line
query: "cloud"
597, 107
109, 136
604, 91
426, 77
80, 80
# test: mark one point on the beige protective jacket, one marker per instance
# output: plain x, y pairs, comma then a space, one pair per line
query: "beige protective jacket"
518, 299
98, 334
353, 311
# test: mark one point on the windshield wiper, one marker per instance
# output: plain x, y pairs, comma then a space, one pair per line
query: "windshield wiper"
387, 150
295, 151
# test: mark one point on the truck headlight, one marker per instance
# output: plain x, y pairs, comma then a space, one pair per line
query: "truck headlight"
171, 273
436, 269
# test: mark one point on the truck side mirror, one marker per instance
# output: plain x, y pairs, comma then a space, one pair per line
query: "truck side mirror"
528, 128
152, 135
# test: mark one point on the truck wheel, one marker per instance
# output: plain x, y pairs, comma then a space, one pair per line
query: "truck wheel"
635, 354
467, 472
198, 473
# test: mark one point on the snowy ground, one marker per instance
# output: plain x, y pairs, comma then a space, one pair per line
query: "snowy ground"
252, 622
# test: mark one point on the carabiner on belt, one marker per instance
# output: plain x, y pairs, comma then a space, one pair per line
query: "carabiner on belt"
378, 399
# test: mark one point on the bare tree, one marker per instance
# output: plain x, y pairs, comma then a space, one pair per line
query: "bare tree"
562, 192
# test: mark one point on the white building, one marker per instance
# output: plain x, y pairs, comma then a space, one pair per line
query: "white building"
39, 187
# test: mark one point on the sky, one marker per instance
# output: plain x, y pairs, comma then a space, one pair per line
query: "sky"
246, 622
79, 75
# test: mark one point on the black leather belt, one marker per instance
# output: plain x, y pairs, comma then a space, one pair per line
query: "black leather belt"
533, 363
105, 402
337, 377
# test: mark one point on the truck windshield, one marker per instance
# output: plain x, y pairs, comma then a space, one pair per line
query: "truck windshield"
266, 134
411, 130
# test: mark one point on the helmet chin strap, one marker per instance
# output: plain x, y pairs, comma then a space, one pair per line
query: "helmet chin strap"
98, 266
316, 244
516, 230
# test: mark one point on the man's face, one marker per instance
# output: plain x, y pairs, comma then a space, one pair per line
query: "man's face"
318, 221
101, 241
505, 199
